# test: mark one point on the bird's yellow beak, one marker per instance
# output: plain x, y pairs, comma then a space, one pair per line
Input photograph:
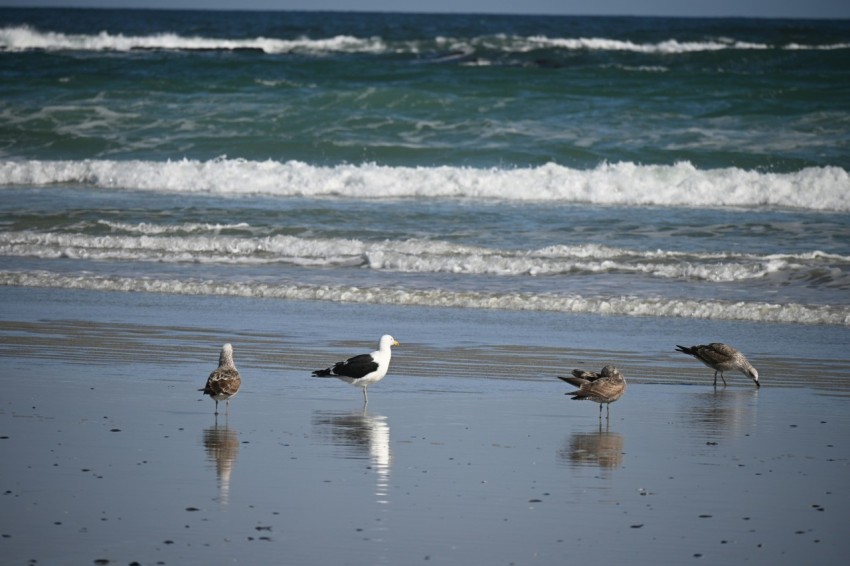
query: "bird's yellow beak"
395, 343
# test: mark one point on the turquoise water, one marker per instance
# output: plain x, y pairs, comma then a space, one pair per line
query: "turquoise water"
478, 91
690, 168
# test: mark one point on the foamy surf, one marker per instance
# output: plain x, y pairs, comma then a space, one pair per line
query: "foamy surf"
619, 305
622, 184
216, 244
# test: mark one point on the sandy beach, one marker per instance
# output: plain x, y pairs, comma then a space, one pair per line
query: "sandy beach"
468, 452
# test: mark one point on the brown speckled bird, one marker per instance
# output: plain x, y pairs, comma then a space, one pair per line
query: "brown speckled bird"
720, 358
224, 382
604, 387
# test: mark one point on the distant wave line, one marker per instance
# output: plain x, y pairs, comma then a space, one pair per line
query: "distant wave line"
27, 38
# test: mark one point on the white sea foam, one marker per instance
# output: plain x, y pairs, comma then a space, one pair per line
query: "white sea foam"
667, 47
204, 243
621, 305
26, 38
623, 184
159, 229
164, 245
826, 47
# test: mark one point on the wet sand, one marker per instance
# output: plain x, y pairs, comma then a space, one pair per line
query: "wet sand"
468, 452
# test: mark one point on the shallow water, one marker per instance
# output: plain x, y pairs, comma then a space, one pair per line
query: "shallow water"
109, 452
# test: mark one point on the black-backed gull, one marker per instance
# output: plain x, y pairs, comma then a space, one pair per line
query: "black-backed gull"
365, 369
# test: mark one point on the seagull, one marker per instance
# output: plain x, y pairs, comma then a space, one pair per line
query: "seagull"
223, 382
720, 358
604, 387
365, 369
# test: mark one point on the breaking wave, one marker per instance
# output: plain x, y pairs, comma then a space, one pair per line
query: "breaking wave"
624, 184
27, 38
217, 244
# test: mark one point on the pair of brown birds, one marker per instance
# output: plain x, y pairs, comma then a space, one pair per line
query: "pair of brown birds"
603, 387
609, 385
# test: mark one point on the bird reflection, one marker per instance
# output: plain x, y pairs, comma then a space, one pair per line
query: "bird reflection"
721, 411
222, 446
600, 448
359, 435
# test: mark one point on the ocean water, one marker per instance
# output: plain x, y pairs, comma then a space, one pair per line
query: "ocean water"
687, 168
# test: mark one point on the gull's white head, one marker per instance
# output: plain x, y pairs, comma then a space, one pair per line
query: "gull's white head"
754, 374
226, 356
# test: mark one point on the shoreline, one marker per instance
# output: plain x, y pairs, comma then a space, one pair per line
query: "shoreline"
436, 341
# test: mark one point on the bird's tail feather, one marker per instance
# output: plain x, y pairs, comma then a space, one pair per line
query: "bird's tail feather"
576, 381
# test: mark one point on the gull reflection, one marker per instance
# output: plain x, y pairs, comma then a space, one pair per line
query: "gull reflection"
359, 435
600, 448
721, 411
222, 446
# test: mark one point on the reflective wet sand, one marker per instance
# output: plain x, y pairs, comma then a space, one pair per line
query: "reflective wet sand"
469, 452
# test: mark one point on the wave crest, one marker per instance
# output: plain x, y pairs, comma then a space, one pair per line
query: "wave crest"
198, 243
26, 38
623, 184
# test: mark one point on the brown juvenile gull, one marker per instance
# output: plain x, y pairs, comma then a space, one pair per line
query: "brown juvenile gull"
720, 358
224, 382
604, 387
365, 369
